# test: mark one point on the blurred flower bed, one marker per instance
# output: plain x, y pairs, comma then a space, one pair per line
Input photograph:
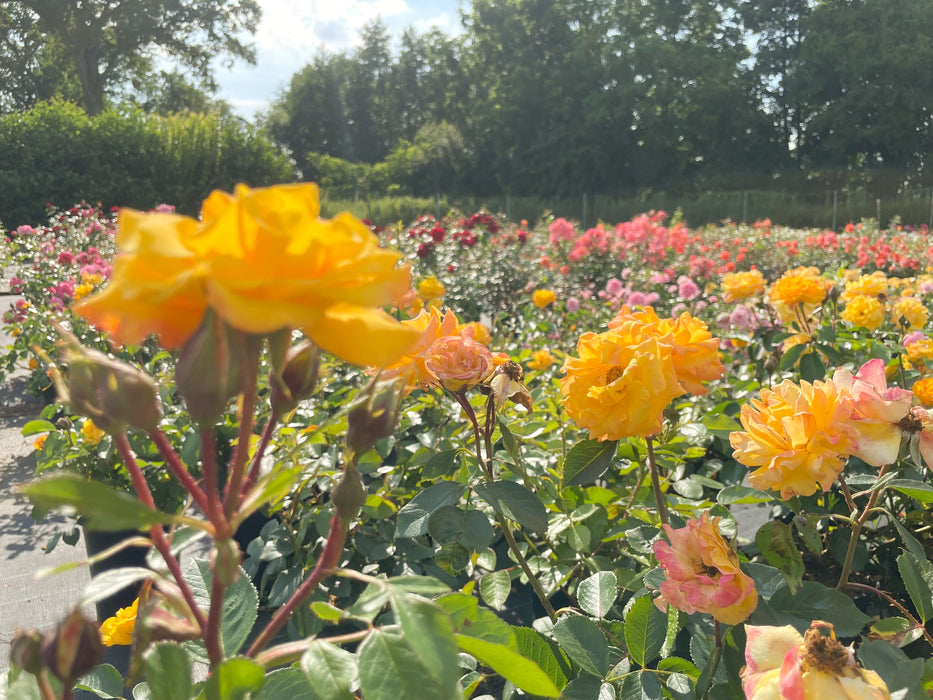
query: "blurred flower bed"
552, 489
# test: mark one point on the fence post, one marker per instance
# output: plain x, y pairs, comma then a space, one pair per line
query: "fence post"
508, 207
745, 208
878, 208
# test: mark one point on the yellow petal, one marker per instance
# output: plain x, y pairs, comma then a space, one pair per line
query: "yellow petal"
362, 336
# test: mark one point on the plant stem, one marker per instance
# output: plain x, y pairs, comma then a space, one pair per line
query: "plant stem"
178, 468
156, 532
290, 652
904, 611
212, 639
532, 579
330, 557
655, 482
856, 530
248, 394
471, 414
215, 510
264, 440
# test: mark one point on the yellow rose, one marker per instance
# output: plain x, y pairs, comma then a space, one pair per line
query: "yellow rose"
264, 260
39, 444
799, 286
543, 298
92, 434
914, 310
873, 285
118, 630
431, 288
923, 390
798, 437
475, 330
620, 384
864, 312
541, 359
694, 350
741, 285
429, 325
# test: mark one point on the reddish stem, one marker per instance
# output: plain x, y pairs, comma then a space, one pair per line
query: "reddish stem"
178, 468
158, 535
215, 511
233, 491
264, 440
212, 641
330, 557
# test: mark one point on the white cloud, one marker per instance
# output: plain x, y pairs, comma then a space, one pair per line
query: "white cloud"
292, 32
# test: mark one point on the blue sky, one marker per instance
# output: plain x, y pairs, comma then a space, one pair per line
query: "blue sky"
293, 31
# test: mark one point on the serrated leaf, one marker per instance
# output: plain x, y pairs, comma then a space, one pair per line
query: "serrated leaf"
815, 601
776, 542
917, 575
645, 631
234, 679
104, 681
509, 442
544, 653
511, 665
413, 517
288, 683
896, 630
597, 593
113, 581
586, 461
789, 358
440, 464
495, 587
812, 368
806, 528
390, 669
240, 605
470, 528
911, 543
516, 502
742, 495
643, 685
584, 643
424, 585
721, 425
915, 489
330, 671
429, 632
168, 671
104, 507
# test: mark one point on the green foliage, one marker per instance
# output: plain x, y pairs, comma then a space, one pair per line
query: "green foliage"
60, 154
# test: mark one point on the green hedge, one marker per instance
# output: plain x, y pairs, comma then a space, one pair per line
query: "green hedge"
56, 153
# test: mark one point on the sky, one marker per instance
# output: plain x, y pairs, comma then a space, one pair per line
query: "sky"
291, 32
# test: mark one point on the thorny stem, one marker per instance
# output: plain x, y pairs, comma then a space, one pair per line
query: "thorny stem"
713, 662
178, 468
215, 511
158, 536
264, 440
893, 601
215, 650
655, 482
856, 530
246, 418
847, 494
326, 563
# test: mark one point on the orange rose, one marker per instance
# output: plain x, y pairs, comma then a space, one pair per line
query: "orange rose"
458, 363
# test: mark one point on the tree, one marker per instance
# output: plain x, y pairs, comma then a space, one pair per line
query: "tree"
107, 42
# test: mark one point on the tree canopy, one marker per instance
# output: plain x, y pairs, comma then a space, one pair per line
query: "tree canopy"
84, 49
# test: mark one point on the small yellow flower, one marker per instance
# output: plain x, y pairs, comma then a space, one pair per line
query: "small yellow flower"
873, 285
33, 363
92, 279
800, 286
92, 434
475, 330
39, 444
118, 630
741, 285
543, 298
914, 310
864, 312
920, 350
82, 290
431, 288
923, 390
541, 359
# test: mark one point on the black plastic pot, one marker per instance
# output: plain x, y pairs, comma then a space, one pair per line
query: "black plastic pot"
96, 542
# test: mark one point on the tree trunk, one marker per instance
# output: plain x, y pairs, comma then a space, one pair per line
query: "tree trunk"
92, 82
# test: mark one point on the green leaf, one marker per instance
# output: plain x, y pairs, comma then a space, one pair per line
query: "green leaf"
645, 631
168, 671
330, 671
597, 593
37, 426
516, 502
470, 528
327, 612
901, 674
806, 528
288, 683
470, 619
425, 585
105, 508
509, 442
815, 601
812, 368
721, 425
413, 517
742, 495
544, 653
495, 588
440, 464
390, 670
911, 543
429, 632
915, 489
234, 679
113, 581
776, 542
509, 664
643, 685
582, 688
271, 488
240, 604
105, 681
587, 461
584, 643
917, 575
898, 631
789, 358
